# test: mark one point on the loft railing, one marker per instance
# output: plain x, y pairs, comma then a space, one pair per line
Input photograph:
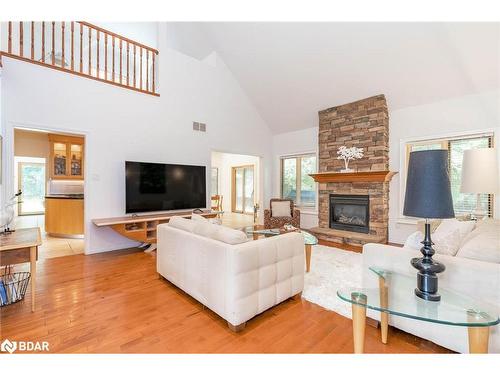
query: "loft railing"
85, 50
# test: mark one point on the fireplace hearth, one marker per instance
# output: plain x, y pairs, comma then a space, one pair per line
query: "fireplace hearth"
350, 212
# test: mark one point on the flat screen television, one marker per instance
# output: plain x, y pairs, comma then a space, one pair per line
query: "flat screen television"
163, 187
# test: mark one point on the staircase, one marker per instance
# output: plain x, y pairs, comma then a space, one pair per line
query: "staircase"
85, 50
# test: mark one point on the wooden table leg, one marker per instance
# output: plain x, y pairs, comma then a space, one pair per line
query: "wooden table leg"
478, 340
308, 257
384, 302
33, 275
358, 322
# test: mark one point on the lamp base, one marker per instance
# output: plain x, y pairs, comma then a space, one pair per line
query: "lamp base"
427, 283
427, 296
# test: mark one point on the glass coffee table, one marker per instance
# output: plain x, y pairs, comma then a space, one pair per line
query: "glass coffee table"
395, 295
256, 232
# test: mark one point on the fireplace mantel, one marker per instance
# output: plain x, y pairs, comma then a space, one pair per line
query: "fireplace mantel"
375, 176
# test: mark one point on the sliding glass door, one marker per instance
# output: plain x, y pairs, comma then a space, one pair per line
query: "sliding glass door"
243, 189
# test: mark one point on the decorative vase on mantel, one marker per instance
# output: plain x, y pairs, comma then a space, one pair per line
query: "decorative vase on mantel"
346, 169
348, 154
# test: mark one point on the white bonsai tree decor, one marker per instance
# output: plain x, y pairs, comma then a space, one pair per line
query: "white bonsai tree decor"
347, 154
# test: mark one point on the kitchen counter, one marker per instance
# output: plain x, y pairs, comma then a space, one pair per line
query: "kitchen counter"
64, 196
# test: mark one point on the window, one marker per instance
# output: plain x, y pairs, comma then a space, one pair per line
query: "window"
296, 183
463, 204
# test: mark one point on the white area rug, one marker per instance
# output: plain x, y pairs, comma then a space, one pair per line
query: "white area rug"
332, 269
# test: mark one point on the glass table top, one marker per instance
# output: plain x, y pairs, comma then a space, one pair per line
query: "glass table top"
257, 232
453, 309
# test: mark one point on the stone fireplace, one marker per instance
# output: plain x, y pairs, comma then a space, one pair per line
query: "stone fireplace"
353, 207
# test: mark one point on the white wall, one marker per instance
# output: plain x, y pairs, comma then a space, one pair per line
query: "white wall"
466, 114
296, 142
121, 125
225, 162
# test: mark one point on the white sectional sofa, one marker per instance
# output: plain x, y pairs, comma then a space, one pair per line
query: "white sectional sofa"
474, 271
234, 277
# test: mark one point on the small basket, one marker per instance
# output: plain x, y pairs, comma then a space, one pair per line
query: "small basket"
13, 287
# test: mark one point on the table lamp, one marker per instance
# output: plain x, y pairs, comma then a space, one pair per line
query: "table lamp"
428, 196
480, 175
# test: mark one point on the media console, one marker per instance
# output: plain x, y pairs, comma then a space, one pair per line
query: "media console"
143, 228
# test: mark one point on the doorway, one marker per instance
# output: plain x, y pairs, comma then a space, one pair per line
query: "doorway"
235, 178
48, 170
243, 191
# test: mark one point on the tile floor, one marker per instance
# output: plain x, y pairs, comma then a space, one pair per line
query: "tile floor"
52, 247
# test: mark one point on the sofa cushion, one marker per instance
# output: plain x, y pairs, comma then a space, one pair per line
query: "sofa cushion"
451, 225
182, 223
229, 235
280, 209
483, 243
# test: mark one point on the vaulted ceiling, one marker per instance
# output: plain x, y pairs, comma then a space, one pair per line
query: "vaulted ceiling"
290, 71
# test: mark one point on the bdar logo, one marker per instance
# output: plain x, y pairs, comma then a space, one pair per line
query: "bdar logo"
8, 346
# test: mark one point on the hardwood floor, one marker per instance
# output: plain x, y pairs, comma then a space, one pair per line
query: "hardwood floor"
115, 303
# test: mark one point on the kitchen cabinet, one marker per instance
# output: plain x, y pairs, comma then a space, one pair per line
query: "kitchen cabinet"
66, 157
64, 215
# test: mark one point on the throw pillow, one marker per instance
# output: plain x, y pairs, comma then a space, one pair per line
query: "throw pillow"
229, 235
414, 241
204, 228
447, 243
280, 209
450, 225
197, 217
182, 223
444, 243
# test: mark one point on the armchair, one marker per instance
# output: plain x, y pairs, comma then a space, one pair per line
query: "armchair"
271, 221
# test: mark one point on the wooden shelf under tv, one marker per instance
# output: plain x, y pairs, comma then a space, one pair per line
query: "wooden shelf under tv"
143, 228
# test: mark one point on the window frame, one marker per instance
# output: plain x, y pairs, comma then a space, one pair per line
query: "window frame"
405, 147
298, 171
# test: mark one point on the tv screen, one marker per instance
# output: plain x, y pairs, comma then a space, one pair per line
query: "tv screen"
162, 187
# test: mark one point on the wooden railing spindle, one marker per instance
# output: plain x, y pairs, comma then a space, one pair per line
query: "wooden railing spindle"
147, 69
97, 55
106, 56
72, 45
90, 52
63, 26
128, 58
21, 39
53, 43
153, 72
121, 61
134, 64
113, 58
140, 68
43, 41
9, 47
32, 40
81, 48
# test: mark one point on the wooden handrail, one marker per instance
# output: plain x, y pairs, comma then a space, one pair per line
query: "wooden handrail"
117, 36
30, 45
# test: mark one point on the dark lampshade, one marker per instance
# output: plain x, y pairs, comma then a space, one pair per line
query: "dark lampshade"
428, 191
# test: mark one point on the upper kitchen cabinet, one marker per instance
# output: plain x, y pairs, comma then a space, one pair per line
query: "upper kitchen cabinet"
66, 157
